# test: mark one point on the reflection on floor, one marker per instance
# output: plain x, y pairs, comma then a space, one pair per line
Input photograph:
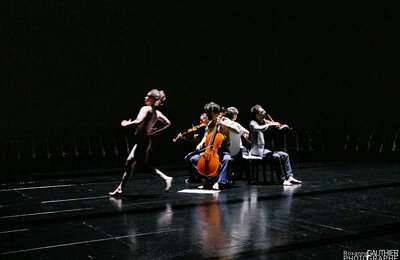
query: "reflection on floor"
340, 207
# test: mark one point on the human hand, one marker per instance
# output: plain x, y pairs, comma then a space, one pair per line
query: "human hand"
152, 131
198, 147
125, 122
284, 127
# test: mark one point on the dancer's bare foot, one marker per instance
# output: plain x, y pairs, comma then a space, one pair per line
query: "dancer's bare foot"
118, 191
168, 183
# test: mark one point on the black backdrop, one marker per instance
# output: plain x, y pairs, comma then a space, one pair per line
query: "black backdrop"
68, 64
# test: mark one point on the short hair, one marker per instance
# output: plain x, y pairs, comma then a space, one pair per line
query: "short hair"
211, 107
204, 116
255, 110
230, 112
159, 97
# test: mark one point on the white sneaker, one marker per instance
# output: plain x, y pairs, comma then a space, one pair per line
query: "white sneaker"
293, 180
287, 183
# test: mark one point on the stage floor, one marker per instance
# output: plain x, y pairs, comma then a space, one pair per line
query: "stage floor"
342, 207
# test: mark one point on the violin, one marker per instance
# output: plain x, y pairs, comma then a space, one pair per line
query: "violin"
267, 122
195, 128
209, 163
271, 121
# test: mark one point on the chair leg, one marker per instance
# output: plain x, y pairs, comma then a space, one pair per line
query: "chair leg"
254, 172
248, 172
264, 172
272, 172
232, 177
257, 176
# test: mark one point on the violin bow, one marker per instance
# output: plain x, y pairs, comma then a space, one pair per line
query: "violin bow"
270, 118
196, 152
288, 127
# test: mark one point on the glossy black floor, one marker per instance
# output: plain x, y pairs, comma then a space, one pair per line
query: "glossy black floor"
341, 206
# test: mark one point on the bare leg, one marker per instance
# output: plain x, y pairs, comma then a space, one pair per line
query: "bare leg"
127, 174
167, 179
157, 172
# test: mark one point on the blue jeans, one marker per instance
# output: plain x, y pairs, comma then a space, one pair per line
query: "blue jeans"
282, 163
225, 157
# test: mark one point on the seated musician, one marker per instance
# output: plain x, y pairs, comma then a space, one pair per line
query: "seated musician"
235, 140
196, 133
225, 124
257, 126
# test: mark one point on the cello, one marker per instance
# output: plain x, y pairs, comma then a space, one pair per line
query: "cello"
209, 163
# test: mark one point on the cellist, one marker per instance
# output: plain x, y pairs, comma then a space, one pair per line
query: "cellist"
215, 120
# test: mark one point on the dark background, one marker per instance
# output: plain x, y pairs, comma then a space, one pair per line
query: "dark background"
74, 64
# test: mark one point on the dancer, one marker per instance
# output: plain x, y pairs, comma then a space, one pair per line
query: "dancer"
145, 127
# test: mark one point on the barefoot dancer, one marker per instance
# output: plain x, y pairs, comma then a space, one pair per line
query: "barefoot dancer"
145, 121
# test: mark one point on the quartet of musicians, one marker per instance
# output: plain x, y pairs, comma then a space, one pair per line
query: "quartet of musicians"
224, 122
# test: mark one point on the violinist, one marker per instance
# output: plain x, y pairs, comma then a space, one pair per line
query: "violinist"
257, 128
194, 134
216, 120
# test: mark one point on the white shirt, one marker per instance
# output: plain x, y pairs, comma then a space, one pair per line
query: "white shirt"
235, 142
